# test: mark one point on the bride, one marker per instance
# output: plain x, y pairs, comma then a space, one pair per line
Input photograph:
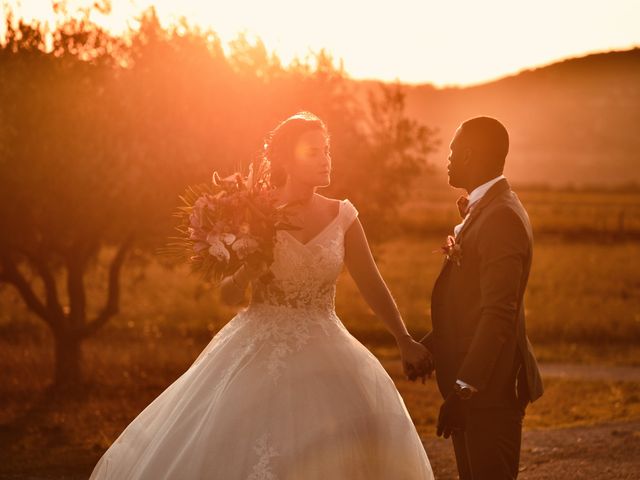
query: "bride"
284, 391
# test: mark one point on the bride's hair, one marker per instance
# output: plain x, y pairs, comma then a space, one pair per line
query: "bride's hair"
279, 144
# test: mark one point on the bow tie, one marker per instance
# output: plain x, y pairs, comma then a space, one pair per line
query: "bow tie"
463, 206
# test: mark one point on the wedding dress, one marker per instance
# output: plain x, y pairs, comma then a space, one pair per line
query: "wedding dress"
282, 392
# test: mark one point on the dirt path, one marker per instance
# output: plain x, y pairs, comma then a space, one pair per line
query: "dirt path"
603, 452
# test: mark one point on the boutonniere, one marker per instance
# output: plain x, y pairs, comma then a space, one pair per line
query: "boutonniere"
451, 250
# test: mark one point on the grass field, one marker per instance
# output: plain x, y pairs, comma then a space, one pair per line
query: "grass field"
584, 285
578, 292
579, 214
583, 305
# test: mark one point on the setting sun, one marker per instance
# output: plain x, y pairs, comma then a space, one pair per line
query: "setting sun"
413, 41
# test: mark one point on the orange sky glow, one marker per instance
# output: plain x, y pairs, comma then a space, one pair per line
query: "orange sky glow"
415, 41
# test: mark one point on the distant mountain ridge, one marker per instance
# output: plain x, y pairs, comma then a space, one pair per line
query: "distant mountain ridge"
572, 122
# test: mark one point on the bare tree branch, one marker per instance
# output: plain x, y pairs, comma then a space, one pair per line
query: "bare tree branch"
77, 258
51, 290
113, 295
13, 276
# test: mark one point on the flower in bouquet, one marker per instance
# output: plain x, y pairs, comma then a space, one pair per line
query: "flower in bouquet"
229, 222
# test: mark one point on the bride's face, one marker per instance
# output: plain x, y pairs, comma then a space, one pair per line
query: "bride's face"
311, 163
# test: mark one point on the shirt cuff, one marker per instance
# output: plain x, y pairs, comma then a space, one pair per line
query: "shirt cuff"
465, 384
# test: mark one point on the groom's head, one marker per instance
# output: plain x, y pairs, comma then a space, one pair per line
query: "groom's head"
478, 152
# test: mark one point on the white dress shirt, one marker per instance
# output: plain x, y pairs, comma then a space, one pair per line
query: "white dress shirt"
474, 197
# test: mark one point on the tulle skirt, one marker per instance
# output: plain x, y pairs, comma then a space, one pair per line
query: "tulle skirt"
278, 394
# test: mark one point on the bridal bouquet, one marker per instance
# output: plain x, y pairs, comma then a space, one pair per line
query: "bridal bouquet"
228, 222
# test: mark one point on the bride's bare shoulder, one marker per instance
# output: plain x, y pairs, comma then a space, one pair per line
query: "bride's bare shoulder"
330, 203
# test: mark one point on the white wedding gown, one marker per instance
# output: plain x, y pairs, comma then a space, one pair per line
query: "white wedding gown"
282, 392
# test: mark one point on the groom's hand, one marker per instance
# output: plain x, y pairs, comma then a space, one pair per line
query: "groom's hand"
453, 416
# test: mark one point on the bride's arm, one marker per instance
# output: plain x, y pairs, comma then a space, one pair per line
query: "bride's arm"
365, 273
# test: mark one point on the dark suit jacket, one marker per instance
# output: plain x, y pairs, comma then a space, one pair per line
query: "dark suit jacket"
477, 308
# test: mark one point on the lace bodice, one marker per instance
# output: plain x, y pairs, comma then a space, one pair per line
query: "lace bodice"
306, 273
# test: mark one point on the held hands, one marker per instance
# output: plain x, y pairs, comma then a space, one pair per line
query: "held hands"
417, 361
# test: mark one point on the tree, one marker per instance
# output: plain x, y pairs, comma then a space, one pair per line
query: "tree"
58, 199
99, 135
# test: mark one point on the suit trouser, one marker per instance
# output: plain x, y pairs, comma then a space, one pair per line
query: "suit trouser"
489, 449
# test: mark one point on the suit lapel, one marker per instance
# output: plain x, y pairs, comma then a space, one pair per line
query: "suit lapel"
495, 190
492, 193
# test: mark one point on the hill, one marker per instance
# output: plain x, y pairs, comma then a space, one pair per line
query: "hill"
572, 122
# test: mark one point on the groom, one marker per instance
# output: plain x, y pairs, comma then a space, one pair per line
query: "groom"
484, 363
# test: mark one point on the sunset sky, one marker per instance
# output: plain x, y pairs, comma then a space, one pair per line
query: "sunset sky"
416, 41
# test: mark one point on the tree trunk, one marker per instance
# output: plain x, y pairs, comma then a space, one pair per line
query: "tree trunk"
69, 327
68, 354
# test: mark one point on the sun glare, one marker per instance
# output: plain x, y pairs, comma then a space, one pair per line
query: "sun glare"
414, 41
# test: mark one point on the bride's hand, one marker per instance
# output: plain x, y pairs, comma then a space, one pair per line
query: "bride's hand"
255, 268
251, 269
417, 361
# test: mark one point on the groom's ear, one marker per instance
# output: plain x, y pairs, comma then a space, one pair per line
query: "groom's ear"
467, 153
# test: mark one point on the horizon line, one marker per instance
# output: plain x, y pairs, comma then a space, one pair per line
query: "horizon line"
497, 78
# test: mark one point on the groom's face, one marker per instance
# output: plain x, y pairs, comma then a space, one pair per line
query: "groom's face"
459, 158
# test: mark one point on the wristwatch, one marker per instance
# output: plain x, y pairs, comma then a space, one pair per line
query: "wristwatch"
464, 392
